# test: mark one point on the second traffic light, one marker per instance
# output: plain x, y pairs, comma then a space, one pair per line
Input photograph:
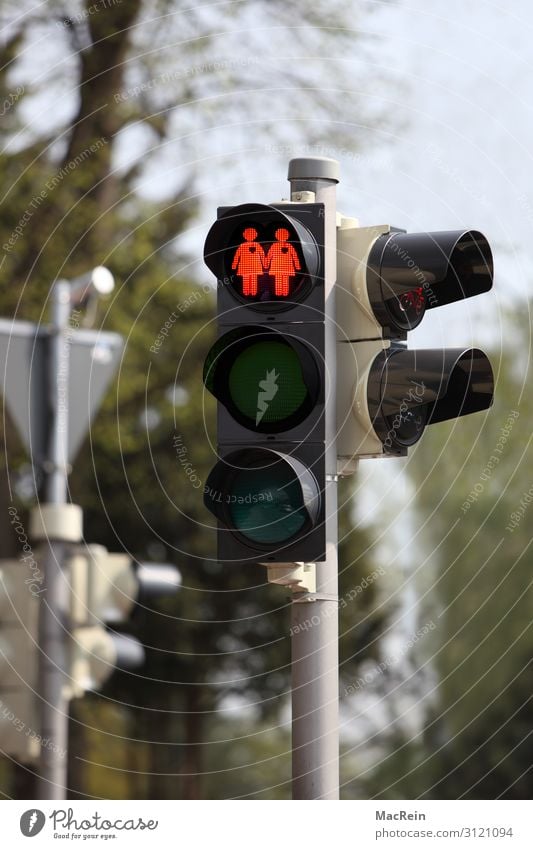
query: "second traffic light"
387, 280
105, 589
19, 610
267, 371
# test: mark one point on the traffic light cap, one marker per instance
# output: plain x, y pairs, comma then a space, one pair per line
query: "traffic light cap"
314, 168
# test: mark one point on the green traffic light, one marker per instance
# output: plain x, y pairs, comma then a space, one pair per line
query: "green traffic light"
266, 382
267, 505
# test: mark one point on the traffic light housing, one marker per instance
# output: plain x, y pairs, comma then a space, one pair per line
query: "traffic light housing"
105, 589
387, 280
19, 605
267, 372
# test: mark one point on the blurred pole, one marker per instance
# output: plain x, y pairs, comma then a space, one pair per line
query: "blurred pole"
52, 782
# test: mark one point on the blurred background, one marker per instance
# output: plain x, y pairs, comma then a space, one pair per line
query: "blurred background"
144, 116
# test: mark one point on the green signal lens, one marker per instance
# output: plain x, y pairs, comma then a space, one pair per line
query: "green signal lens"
266, 504
266, 383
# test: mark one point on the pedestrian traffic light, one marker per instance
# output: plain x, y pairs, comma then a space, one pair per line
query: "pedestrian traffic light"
267, 371
105, 589
387, 280
19, 604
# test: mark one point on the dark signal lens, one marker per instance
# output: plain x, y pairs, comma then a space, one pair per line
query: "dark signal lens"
267, 381
266, 505
406, 427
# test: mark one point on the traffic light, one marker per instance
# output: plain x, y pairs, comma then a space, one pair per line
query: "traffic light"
105, 589
387, 280
267, 372
19, 604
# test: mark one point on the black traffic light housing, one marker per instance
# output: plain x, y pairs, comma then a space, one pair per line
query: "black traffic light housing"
409, 273
305, 224
267, 371
387, 281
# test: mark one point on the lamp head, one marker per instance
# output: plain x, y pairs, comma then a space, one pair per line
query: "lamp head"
98, 281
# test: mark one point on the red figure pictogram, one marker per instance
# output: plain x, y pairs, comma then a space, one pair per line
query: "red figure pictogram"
249, 261
282, 262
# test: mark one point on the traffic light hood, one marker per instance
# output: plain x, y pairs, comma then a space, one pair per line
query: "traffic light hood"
267, 501
448, 266
424, 387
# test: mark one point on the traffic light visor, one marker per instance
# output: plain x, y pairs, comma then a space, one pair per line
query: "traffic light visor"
409, 389
264, 496
409, 273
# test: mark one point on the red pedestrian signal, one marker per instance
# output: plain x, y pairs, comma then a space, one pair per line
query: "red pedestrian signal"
282, 263
265, 256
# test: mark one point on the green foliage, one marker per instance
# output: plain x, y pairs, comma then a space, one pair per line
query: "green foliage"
472, 477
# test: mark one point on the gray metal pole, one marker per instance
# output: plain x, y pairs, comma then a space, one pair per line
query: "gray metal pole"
315, 628
52, 615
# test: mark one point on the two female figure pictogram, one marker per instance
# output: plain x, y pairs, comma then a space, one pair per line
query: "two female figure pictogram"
281, 262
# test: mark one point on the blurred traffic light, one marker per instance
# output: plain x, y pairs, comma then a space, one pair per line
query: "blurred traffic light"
105, 589
19, 606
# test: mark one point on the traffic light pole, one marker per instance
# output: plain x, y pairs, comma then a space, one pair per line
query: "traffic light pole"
52, 625
314, 619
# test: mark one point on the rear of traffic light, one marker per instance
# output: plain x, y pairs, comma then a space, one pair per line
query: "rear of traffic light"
20, 589
105, 589
387, 280
267, 371
102, 591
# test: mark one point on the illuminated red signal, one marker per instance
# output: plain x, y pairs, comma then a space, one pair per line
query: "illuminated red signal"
282, 262
265, 258
249, 261
278, 266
